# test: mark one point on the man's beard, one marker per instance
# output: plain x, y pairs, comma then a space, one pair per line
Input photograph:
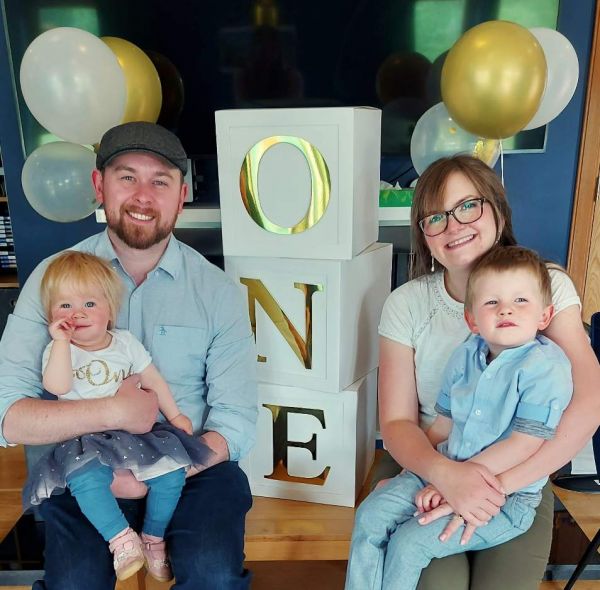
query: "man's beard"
139, 238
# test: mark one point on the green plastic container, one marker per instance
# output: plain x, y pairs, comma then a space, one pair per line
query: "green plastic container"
394, 197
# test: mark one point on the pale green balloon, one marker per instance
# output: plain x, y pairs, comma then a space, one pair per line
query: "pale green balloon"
437, 135
56, 179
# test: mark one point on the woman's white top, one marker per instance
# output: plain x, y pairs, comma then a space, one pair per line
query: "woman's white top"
422, 315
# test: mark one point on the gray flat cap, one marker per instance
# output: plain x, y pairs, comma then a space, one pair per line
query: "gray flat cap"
140, 136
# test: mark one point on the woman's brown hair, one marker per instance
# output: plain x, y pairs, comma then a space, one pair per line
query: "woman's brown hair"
429, 198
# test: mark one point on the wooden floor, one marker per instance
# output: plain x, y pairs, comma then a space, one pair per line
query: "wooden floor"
320, 577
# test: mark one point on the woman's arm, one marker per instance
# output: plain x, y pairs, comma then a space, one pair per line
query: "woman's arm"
439, 431
467, 487
582, 416
508, 453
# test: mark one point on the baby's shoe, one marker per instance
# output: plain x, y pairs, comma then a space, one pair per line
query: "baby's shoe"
127, 552
157, 562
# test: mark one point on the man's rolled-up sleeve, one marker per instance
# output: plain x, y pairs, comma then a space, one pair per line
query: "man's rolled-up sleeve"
231, 375
21, 348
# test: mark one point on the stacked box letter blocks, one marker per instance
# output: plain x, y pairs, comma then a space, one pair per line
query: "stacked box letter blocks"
299, 209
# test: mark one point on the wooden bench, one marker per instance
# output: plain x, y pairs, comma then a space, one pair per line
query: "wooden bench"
276, 530
280, 530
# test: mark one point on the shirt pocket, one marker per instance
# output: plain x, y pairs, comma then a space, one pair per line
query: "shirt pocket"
179, 353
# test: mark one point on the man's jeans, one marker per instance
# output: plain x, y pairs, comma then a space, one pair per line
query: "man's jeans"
205, 539
390, 548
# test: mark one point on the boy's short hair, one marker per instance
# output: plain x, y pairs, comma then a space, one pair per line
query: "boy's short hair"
505, 258
80, 270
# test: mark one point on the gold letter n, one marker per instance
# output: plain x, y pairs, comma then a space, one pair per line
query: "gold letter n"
258, 292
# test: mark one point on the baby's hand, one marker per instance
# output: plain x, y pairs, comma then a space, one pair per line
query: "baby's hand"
428, 498
62, 329
183, 422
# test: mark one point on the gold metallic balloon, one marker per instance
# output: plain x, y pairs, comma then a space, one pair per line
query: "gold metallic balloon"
144, 94
493, 79
487, 150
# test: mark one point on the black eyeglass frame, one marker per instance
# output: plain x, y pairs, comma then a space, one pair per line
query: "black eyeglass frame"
452, 212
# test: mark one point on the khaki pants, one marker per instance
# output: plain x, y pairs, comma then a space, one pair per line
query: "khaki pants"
518, 564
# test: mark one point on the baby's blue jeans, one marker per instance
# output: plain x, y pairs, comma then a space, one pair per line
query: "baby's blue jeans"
390, 548
91, 488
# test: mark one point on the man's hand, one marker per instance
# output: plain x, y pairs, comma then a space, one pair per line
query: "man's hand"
125, 485
135, 409
428, 498
470, 490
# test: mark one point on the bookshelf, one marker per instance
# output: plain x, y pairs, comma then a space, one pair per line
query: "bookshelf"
8, 262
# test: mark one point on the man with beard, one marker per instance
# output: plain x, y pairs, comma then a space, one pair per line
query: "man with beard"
192, 319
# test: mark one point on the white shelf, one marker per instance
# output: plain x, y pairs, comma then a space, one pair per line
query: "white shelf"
210, 217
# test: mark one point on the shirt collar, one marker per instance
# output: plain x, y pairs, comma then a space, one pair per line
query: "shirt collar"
171, 261
482, 347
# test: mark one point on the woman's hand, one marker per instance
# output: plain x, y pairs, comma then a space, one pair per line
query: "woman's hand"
428, 498
454, 524
469, 490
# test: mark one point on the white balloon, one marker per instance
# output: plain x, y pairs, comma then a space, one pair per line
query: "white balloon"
56, 180
73, 84
563, 74
437, 135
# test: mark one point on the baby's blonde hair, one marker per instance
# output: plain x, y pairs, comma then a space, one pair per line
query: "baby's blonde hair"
79, 271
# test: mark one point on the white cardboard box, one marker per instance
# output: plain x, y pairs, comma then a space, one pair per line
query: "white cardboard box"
299, 183
315, 321
312, 446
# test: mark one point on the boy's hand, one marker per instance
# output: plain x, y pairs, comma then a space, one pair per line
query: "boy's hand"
183, 422
62, 329
428, 498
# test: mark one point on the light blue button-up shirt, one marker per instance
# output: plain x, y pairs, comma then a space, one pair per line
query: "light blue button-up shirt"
188, 314
524, 389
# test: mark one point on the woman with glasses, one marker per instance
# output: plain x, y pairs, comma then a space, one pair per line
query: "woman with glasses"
459, 212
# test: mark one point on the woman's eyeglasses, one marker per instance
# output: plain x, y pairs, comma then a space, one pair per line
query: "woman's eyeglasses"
465, 213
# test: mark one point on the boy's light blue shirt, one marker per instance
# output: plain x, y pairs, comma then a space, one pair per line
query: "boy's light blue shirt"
191, 318
524, 389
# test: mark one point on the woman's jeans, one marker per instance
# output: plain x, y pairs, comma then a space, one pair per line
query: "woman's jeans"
205, 538
390, 548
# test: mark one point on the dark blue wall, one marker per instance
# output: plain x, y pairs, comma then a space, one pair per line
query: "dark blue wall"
540, 186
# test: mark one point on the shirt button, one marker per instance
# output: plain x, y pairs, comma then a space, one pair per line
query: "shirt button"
477, 412
555, 406
488, 376
468, 443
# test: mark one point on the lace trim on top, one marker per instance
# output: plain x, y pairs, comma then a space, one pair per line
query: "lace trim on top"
441, 303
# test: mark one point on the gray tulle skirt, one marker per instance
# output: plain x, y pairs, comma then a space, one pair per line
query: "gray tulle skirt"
163, 449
